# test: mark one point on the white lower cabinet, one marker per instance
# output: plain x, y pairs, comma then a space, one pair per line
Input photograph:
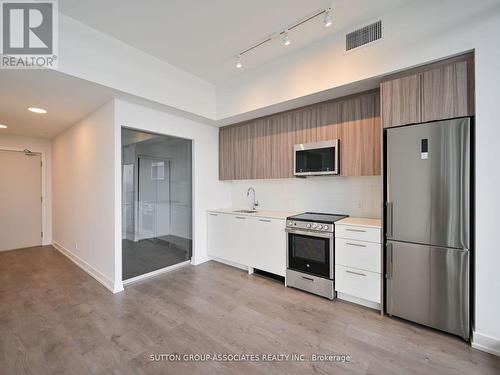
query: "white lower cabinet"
228, 237
358, 254
237, 232
358, 283
248, 241
268, 245
217, 244
358, 269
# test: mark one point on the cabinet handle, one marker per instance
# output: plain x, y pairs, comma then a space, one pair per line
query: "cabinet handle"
213, 215
265, 220
355, 244
356, 230
355, 273
240, 217
308, 279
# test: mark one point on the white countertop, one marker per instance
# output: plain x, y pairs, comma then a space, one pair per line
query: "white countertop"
360, 222
260, 213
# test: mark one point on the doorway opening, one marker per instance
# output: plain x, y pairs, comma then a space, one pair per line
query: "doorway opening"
20, 199
156, 202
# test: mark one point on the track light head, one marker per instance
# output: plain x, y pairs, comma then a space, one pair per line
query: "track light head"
285, 38
238, 62
328, 17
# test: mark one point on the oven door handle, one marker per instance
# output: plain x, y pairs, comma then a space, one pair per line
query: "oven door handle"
310, 234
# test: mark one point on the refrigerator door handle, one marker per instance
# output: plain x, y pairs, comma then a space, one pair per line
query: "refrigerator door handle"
389, 216
388, 266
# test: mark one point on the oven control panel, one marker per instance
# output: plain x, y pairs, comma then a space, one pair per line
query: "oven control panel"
307, 225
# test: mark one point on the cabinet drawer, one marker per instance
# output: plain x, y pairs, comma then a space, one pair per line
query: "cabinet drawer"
352, 232
358, 254
358, 283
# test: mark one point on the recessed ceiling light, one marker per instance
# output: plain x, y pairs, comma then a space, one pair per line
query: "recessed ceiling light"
37, 110
3, 126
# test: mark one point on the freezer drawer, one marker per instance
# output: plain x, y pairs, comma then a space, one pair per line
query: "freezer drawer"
429, 285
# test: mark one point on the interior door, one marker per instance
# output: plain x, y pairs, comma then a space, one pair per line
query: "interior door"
428, 183
429, 285
20, 200
154, 198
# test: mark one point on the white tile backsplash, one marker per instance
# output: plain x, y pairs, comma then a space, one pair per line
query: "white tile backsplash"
355, 196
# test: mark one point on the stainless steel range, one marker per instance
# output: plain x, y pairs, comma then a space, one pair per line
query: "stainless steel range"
310, 252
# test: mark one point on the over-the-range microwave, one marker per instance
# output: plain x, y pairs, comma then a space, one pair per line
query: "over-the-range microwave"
316, 159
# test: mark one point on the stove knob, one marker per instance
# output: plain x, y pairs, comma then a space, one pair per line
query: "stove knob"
314, 226
320, 227
290, 223
309, 225
325, 227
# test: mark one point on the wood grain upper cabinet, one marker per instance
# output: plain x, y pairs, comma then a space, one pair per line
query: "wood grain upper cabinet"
360, 137
263, 148
401, 100
442, 90
226, 164
445, 92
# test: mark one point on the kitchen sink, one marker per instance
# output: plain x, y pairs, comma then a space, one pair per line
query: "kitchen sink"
246, 211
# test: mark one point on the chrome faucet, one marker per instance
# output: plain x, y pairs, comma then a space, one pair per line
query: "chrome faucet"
255, 201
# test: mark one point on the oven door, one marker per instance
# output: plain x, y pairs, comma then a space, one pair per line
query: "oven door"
310, 252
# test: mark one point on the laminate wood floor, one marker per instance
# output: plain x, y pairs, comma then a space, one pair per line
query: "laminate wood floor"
152, 254
55, 319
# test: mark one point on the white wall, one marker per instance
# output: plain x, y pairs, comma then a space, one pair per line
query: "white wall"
418, 32
354, 196
11, 142
414, 34
92, 55
84, 195
208, 191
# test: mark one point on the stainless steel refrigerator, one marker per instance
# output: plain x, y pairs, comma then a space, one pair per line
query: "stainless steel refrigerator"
428, 224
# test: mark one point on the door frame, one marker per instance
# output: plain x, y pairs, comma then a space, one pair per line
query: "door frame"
47, 237
119, 282
137, 188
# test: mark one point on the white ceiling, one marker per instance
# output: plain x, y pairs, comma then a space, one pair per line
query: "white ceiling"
202, 37
67, 100
198, 36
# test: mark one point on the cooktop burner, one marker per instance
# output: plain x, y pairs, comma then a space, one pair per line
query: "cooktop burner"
318, 217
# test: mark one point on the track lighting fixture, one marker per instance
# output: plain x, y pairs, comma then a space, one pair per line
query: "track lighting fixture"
285, 38
327, 21
328, 17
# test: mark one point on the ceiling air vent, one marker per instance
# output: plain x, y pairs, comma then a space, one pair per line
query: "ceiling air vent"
363, 36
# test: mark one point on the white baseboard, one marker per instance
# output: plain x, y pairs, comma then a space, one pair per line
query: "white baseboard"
101, 278
156, 272
229, 263
486, 343
358, 301
197, 262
